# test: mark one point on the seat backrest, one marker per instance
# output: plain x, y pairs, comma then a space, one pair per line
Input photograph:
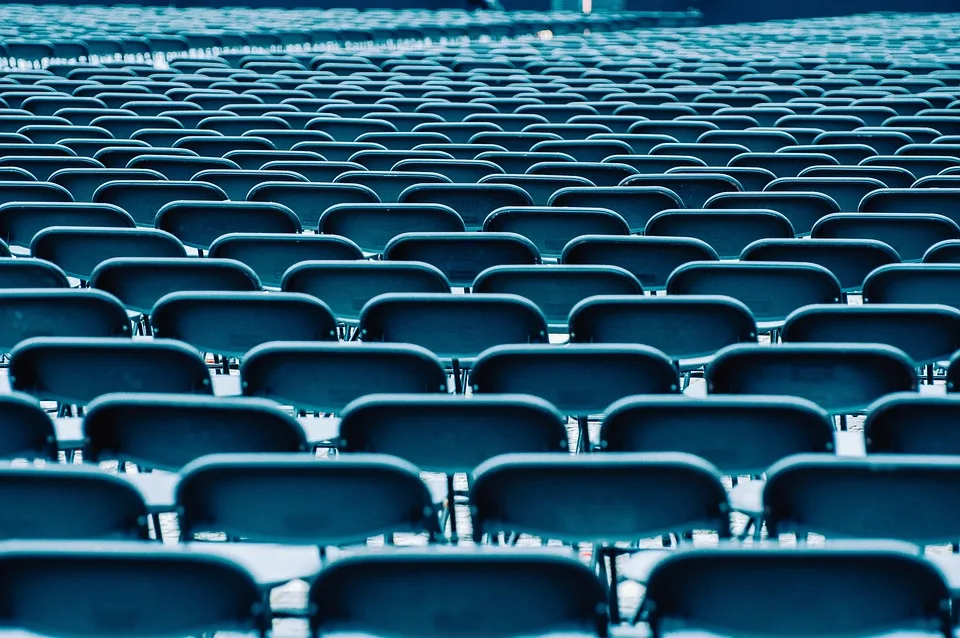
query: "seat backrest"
232, 323
271, 254
694, 189
850, 260
325, 377
419, 428
770, 290
909, 423
20, 222
372, 226
726, 231
550, 228
512, 493
926, 333
59, 313
346, 286
689, 329
140, 281
636, 204
212, 594
182, 168
308, 201
473, 202
144, 199
774, 592
389, 185
556, 289
913, 284
737, 434
911, 235
911, 200
255, 496
98, 506
199, 224
846, 191
74, 371
82, 183
463, 256
167, 431
547, 593
453, 327
579, 379
650, 259
816, 493
803, 209
858, 373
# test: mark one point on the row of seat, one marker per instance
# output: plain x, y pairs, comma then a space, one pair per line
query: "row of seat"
860, 589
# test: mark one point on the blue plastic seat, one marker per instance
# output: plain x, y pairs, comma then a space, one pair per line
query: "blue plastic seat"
346, 286
462, 256
556, 289
139, 282
737, 434
926, 333
74, 371
168, 431
911, 235
650, 259
326, 377
479, 322
213, 594
546, 594
636, 204
232, 323
579, 379
774, 591
850, 260
473, 202
909, 423
858, 373
910, 200
770, 290
199, 224
20, 222
726, 231
415, 428
552, 228
913, 284
254, 496
803, 209
270, 255
144, 199
813, 493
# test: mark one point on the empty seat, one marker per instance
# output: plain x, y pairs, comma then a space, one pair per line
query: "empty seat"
858, 373
926, 333
140, 281
726, 231
689, 329
199, 224
254, 496
850, 260
270, 255
231, 598
74, 371
546, 593
232, 323
462, 256
909, 234
144, 199
413, 427
325, 377
770, 290
556, 289
168, 431
481, 322
738, 434
770, 591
